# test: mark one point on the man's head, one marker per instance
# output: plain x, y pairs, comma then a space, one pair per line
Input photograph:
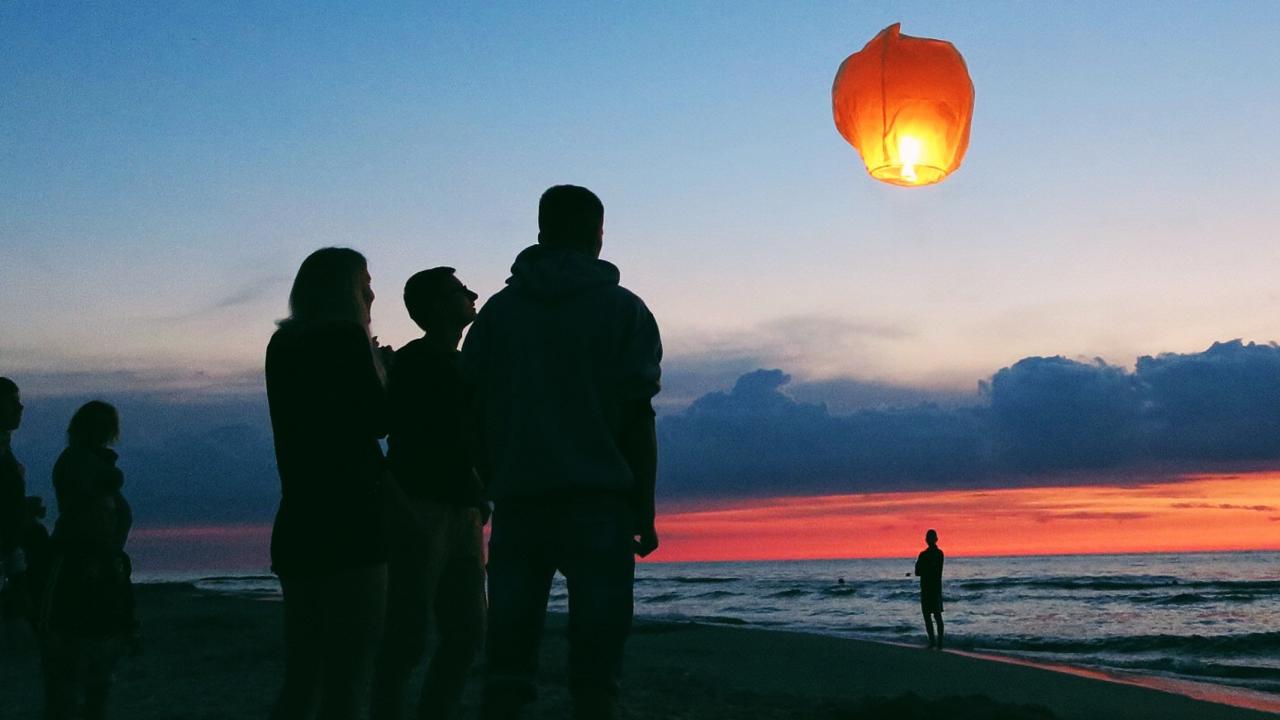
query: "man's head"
572, 218
438, 301
931, 537
10, 405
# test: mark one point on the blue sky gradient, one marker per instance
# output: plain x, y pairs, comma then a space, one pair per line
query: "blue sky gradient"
166, 166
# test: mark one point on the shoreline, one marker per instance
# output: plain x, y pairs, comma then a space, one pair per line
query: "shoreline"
1225, 695
204, 644
1221, 694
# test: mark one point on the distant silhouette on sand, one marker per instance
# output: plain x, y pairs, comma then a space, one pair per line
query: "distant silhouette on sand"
929, 569
565, 363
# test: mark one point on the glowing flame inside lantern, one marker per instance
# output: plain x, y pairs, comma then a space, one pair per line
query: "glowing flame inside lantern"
909, 154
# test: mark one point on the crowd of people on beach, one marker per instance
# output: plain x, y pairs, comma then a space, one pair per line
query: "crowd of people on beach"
72, 588
541, 423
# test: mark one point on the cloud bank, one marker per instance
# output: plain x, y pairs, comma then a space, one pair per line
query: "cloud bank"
1039, 418
207, 458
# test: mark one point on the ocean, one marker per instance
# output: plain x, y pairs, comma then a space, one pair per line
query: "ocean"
1204, 617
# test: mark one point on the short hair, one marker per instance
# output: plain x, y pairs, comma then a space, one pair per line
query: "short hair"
327, 286
423, 288
931, 536
95, 424
8, 387
570, 216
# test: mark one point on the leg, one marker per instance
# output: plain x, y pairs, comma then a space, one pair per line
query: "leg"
59, 668
101, 658
405, 639
459, 615
928, 626
519, 583
354, 616
600, 568
938, 616
303, 620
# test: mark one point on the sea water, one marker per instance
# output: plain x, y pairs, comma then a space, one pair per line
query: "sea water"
1204, 617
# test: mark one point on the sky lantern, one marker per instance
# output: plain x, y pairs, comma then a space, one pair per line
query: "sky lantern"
905, 103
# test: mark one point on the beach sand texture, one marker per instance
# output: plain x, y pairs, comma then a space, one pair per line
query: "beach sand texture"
216, 656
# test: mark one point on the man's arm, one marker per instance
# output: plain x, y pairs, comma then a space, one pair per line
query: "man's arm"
639, 445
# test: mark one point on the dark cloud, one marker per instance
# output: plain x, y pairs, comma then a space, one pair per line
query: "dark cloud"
1056, 414
1223, 403
1223, 506
755, 440
1037, 421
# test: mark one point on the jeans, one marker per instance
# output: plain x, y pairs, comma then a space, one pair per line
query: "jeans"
332, 627
433, 575
589, 541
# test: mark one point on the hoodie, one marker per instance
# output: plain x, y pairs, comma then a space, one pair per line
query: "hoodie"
559, 360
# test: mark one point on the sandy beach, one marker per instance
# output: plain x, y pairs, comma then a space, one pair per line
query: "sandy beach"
215, 656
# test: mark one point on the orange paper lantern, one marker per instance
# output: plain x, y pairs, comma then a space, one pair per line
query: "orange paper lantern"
905, 103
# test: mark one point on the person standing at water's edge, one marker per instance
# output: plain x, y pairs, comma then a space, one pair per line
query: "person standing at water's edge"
564, 363
929, 569
436, 567
328, 409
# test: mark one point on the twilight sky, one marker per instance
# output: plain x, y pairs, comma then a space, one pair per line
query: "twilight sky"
165, 167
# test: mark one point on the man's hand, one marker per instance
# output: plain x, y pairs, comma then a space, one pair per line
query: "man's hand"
645, 541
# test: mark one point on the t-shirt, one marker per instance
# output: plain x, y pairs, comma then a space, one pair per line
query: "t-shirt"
929, 568
428, 448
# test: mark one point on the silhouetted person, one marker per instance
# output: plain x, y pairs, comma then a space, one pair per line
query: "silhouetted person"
564, 363
436, 565
328, 409
13, 491
88, 621
37, 548
929, 568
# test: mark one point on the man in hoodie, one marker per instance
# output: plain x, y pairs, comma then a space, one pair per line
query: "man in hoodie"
564, 363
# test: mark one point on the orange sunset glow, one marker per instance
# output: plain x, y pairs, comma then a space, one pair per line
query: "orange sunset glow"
1195, 513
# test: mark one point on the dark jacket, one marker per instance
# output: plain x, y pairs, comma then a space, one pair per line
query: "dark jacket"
560, 359
427, 447
13, 491
328, 409
91, 594
92, 510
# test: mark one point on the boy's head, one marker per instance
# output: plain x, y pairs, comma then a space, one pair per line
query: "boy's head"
571, 217
931, 537
438, 301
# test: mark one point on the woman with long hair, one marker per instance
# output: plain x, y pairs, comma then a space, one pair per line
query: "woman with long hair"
87, 622
328, 410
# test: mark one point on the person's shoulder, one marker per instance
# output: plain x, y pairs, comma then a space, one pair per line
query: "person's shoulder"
626, 295
412, 351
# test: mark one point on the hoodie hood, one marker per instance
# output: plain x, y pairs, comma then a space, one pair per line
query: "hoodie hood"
553, 274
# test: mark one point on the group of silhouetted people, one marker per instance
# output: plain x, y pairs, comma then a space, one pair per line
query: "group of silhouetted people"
545, 412
72, 589
544, 418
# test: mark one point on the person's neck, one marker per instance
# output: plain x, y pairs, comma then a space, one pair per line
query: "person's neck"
6, 437
446, 339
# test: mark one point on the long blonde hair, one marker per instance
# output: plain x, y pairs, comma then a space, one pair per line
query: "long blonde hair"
327, 287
